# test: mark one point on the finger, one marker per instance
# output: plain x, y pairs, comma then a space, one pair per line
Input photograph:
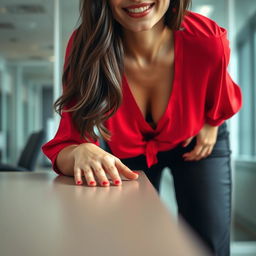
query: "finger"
108, 163
209, 151
202, 153
88, 174
197, 154
126, 171
187, 142
100, 173
194, 153
78, 176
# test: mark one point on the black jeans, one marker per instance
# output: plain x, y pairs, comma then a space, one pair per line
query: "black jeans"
203, 188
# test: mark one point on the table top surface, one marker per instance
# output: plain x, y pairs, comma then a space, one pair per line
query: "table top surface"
45, 214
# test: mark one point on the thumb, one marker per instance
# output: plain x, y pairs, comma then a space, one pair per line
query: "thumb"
187, 141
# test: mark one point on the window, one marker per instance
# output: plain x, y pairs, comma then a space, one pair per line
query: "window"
246, 45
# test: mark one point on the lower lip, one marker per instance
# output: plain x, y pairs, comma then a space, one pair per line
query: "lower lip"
141, 14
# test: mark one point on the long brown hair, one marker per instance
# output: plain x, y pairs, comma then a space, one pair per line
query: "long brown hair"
93, 71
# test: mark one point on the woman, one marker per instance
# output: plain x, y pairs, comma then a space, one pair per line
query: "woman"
152, 77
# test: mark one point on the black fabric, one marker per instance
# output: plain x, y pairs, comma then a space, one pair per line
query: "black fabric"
203, 188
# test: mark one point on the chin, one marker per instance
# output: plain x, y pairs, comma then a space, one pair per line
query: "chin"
140, 28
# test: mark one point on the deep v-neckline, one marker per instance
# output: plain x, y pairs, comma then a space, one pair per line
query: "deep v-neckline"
178, 56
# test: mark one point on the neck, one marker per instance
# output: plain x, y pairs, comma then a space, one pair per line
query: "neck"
145, 47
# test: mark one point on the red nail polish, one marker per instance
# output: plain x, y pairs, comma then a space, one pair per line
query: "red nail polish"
136, 172
117, 182
104, 182
79, 182
92, 182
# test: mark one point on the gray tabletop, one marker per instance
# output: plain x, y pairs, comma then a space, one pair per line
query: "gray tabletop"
46, 214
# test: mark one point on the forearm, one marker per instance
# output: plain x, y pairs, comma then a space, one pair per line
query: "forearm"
65, 160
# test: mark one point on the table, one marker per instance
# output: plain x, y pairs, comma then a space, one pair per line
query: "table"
45, 214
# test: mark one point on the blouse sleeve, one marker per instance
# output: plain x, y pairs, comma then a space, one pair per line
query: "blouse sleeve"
224, 96
67, 134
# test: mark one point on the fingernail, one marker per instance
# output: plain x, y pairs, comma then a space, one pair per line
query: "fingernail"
104, 183
92, 182
117, 182
136, 172
79, 182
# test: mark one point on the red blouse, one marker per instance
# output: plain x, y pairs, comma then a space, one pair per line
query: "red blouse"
203, 92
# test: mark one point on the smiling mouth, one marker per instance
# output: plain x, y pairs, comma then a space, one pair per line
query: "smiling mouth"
140, 9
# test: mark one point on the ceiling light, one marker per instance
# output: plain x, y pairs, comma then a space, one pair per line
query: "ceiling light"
205, 10
25, 9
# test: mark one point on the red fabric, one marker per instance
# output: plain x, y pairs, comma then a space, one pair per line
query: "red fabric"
203, 92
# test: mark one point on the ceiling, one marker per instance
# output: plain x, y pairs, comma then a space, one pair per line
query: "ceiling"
32, 34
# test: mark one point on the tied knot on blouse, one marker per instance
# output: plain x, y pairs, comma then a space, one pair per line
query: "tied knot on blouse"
151, 149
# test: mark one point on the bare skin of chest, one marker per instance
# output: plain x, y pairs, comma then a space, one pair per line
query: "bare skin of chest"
151, 86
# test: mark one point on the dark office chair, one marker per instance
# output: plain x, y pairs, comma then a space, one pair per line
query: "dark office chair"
104, 145
29, 155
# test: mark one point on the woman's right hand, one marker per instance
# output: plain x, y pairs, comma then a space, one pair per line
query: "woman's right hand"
92, 161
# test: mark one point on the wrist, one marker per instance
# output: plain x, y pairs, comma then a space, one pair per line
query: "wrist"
212, 126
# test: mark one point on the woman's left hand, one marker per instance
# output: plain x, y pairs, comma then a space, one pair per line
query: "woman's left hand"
205, 141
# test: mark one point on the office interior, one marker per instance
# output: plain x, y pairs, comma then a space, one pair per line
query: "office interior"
33, 38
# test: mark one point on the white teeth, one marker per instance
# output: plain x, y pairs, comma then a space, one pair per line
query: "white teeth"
138, 10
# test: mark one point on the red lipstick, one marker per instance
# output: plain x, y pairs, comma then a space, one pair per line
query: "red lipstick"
139, 14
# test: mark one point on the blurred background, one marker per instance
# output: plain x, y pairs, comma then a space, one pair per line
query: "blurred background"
33, 38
